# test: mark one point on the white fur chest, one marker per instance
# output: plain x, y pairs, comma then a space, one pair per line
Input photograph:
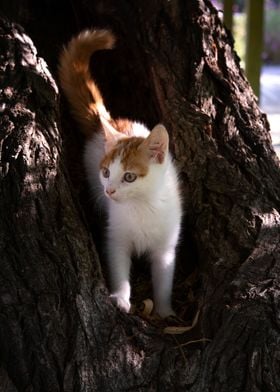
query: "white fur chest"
142, 226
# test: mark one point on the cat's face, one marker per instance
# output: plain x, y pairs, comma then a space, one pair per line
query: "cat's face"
131, 168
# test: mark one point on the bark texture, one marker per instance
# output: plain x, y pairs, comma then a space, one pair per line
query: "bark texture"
58, 330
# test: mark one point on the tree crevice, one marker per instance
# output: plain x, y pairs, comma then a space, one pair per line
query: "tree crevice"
173, 63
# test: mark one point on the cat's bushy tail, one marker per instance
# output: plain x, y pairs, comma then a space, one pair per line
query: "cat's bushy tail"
76, 80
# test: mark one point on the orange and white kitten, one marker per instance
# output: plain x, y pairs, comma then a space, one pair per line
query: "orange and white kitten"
133, 168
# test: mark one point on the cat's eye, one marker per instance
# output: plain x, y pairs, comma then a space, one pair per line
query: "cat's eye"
105, 172
129, 177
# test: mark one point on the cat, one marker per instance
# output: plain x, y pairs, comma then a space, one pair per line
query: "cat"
133, 169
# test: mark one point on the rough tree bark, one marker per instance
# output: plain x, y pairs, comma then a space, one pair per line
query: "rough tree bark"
58, 330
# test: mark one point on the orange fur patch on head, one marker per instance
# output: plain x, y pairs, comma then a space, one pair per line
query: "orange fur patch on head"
132, 157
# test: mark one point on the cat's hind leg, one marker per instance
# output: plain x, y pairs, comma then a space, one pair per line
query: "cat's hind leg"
163, 265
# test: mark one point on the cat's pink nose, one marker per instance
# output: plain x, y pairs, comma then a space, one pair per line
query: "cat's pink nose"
110, 191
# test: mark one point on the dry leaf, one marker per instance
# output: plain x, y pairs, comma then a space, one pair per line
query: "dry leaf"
148, 307
179, 330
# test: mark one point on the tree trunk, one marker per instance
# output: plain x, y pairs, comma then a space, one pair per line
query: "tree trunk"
173, 63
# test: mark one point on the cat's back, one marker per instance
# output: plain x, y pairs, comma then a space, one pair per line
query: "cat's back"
94, 151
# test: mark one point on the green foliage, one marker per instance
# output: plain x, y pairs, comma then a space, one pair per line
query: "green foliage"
239, 33
271, 47
271, 53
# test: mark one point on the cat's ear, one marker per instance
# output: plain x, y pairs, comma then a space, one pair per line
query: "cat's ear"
157, 144
111, 134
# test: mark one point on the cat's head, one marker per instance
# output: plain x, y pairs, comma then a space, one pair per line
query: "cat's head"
133, 167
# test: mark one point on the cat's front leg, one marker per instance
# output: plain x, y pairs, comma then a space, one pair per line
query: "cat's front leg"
163, 265
119, 268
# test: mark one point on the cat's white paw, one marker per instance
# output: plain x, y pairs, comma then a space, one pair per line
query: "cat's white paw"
121, 303
164, 312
